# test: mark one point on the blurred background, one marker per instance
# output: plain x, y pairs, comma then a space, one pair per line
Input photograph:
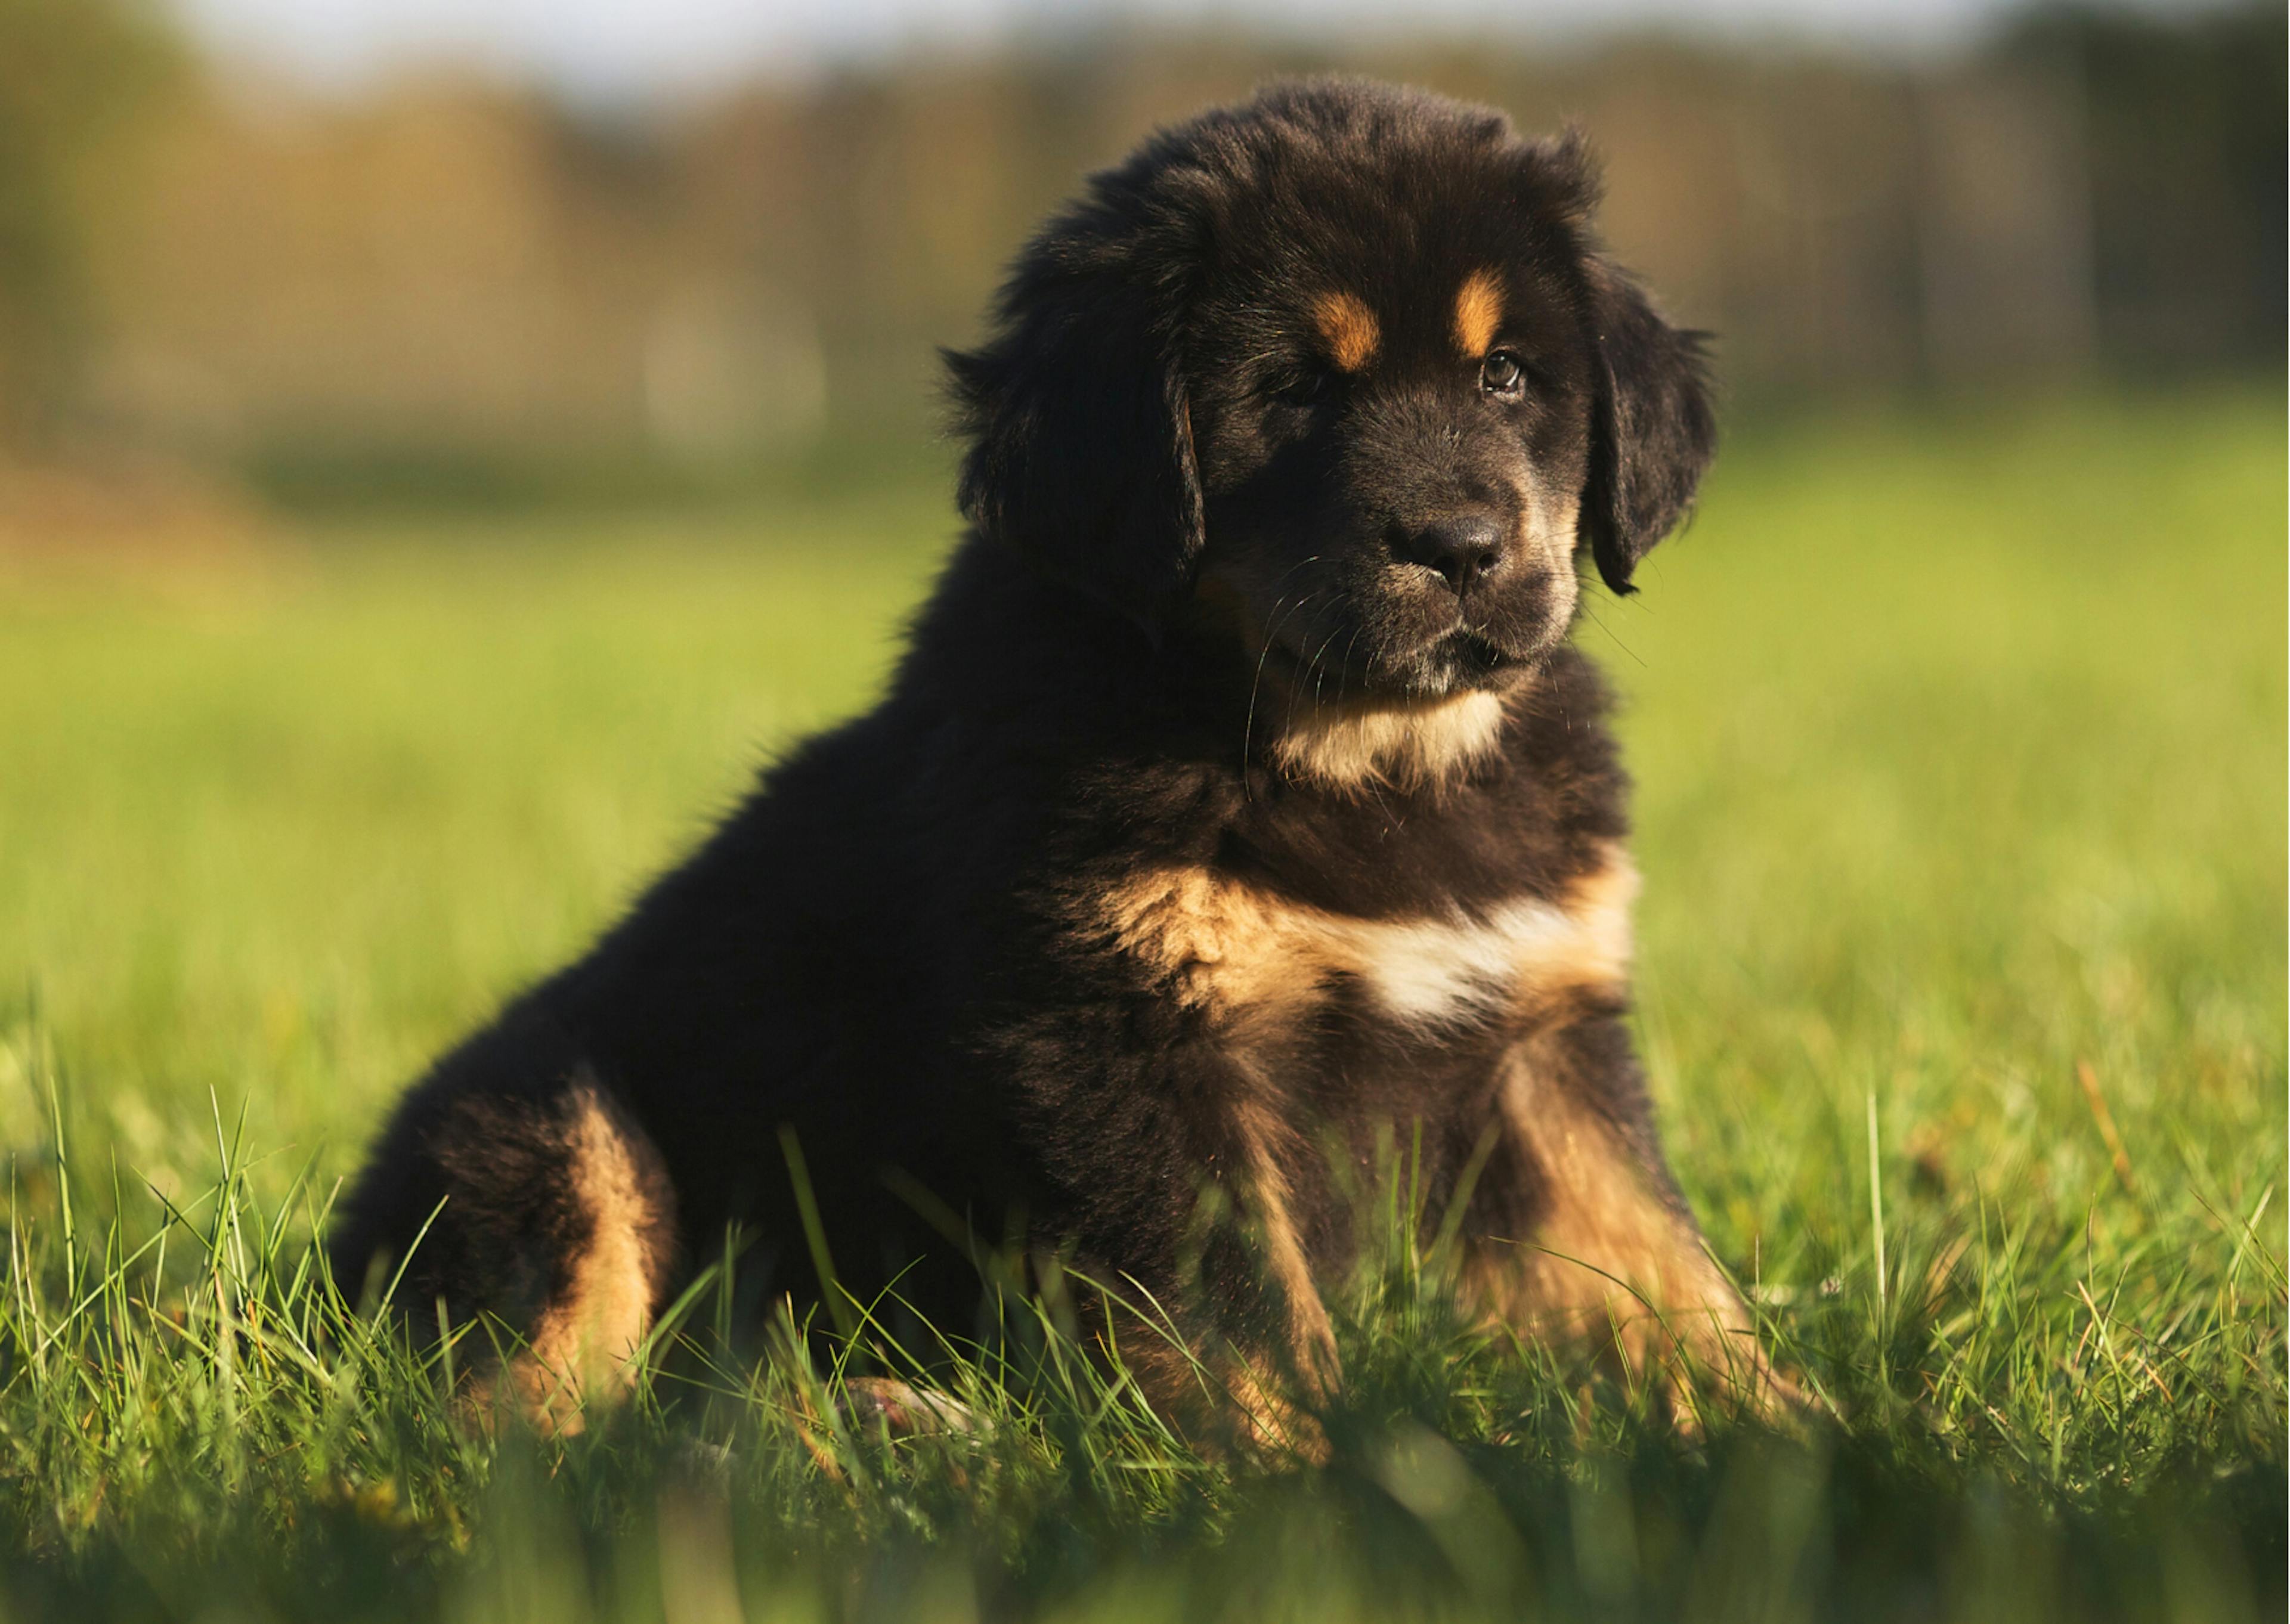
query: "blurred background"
260, 257
445, 444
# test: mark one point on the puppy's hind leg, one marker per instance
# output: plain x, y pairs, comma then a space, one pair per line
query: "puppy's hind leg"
615, 1243
547, 1217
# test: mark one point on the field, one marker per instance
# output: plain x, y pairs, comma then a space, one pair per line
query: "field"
1960, 745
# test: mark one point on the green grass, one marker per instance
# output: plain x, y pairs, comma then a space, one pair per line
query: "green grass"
1960, 746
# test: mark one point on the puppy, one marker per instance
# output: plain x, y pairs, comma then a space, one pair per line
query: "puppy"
1238, 811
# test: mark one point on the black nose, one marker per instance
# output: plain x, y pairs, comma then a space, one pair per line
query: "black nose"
1461, 547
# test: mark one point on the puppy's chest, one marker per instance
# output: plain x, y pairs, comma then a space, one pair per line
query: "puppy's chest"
1258, 964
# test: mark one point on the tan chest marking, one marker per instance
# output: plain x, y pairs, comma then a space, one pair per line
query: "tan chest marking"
1240, 953
1403, 749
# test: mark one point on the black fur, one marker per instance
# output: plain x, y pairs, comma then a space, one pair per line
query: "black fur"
1196, 537
1652, 433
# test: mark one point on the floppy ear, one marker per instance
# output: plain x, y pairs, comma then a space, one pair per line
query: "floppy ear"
1081, 451
1652, 431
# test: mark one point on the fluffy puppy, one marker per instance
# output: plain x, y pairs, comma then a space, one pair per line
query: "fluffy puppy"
1238, 810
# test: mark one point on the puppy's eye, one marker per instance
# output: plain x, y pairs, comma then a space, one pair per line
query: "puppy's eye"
1502, 373
1301, 388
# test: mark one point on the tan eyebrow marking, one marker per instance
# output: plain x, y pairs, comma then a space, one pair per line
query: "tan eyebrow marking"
1478, 312
1349, 328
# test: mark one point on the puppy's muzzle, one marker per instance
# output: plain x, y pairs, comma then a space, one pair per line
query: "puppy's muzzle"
1464, 550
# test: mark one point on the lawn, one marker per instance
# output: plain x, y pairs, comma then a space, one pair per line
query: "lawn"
1960, 744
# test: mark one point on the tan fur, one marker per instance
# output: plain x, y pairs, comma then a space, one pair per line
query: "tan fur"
1227, 947
1272, 1423
1350, 329
1612, 1266
1246, 956
1219, 1398
581, 1346
1478, 312
1403, 748
1601, 902
1310, 1338
1552, 528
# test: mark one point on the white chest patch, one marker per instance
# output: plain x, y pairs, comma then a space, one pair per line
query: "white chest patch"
1242, 953
1431, 973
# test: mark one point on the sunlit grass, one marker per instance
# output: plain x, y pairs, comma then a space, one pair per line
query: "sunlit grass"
1960, 748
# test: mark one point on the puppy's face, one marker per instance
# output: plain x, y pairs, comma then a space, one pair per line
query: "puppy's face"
1340, 373
1393, 456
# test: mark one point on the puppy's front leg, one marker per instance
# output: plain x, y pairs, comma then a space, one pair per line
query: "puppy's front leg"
1237, 1348
1578, 1234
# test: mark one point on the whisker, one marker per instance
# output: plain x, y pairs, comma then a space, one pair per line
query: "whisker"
1248, 724
1319, 675
1587, 606
1345, 671
1295, 693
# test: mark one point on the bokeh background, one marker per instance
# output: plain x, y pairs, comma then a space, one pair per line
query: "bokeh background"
319, 254
444, 448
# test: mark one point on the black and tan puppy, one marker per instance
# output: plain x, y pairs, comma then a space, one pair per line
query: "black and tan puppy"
1239, 806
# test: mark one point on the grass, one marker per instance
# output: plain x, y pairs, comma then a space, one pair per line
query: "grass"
1961, 743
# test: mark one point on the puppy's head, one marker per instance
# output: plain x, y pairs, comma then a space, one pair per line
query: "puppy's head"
1341, 369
